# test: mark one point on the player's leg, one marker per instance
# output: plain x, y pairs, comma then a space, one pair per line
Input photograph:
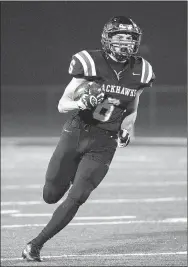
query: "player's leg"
61, 170
88, 176
62, 167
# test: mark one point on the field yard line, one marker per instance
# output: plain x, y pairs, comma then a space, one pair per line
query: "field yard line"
141, 200
103, 201
76, 218
105, 255
21, 203
110, 184
170, 220
15, 187
9, 211
138, 184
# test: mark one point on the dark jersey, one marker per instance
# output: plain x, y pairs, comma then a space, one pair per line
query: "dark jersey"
119, 81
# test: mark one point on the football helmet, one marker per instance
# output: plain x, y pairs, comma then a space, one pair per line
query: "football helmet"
121, 38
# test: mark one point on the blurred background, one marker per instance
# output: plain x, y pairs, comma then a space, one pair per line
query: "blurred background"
38, 40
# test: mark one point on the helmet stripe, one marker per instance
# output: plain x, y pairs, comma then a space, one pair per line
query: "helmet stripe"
146, 71
85, 67
90, 61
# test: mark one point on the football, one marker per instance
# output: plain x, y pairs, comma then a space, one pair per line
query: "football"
93, 94
89, 88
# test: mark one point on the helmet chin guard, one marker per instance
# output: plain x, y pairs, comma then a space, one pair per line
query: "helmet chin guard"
121, 38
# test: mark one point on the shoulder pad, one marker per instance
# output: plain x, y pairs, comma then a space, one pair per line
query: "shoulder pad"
147, 72
82, 64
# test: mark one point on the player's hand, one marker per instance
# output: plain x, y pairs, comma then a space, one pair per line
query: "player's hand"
87, 101
90, 101
97, 92
123, 138
100, 97
82, 103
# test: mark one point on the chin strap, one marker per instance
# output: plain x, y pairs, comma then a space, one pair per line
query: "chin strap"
113, 58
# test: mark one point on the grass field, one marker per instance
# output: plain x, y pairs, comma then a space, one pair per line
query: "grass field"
136, 217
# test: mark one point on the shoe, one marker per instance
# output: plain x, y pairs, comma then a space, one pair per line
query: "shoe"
31, 252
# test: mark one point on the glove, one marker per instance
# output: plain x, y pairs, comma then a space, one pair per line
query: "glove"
90, 101
123, 138
89, 95
100, 97
82, 103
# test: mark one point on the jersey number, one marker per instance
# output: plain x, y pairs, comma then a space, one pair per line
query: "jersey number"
103, 111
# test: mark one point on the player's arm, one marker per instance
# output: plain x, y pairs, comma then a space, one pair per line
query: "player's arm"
67, 103
80, 70
147, 79
131, 113
128, 122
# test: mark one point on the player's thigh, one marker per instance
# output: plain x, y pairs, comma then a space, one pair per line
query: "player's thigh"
64, 161
88, 176
62, 167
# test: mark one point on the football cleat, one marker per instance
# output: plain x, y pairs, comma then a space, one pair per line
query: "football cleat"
31, 252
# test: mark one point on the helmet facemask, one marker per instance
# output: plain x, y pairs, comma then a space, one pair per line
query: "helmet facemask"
122, 45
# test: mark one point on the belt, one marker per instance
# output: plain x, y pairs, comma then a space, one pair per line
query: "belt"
94, 129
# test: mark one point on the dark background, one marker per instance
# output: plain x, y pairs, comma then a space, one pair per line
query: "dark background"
39, 38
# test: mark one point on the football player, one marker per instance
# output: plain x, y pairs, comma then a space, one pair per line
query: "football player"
91, 136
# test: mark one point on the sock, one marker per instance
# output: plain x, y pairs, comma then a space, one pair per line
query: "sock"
61, 217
